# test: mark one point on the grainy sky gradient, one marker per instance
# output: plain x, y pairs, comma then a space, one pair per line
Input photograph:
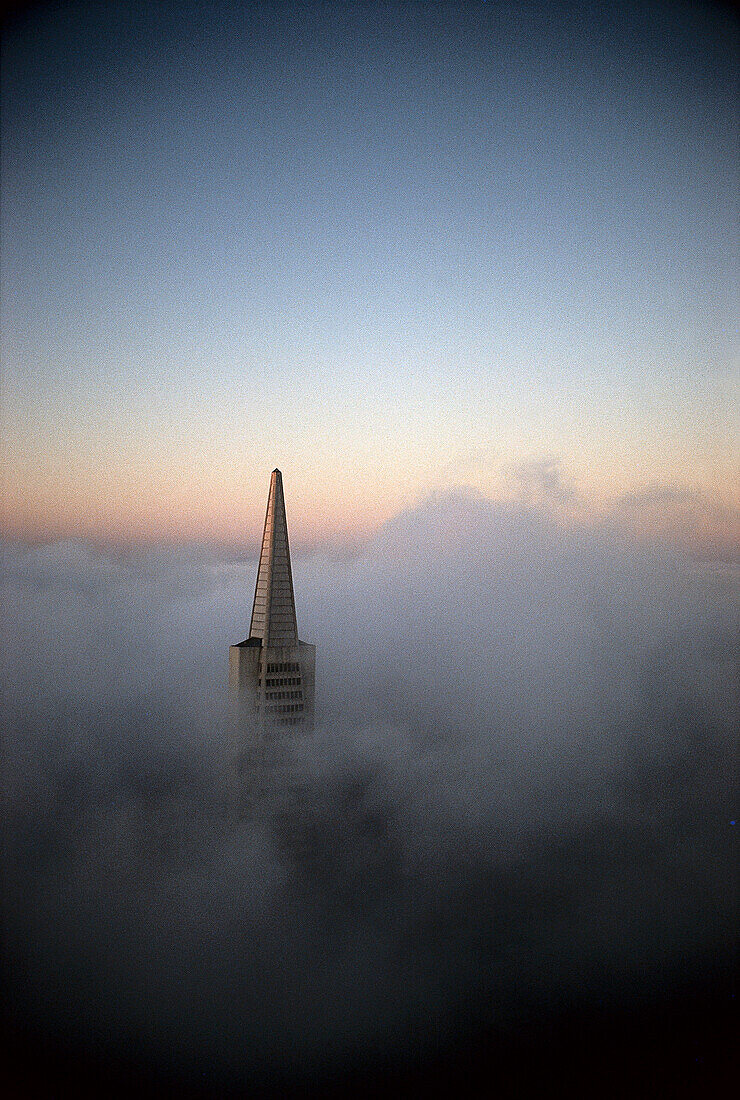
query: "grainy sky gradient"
391, 249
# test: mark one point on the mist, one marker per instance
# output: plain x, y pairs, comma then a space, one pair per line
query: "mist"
515, 809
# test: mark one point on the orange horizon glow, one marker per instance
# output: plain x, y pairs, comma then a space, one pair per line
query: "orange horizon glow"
329, 518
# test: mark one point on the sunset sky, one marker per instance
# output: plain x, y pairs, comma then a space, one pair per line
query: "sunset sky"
391, 249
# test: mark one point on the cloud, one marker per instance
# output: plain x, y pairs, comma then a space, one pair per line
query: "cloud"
678, 516
541, 481
515, 802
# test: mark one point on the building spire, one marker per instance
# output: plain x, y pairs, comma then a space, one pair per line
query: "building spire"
273, 613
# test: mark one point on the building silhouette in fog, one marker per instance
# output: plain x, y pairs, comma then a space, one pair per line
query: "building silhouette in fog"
272, 672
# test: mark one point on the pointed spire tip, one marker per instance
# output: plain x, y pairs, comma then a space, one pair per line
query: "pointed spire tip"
273, 611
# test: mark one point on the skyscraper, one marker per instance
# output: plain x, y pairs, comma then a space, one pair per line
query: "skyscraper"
272, 672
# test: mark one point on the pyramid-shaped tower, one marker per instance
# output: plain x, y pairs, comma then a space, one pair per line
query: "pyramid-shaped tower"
273, 613
272, 672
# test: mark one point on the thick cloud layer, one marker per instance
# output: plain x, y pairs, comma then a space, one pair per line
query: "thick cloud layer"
516, 802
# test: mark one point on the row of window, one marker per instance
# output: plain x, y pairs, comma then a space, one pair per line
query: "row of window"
283, 708
283, 666
284, 694
280, 681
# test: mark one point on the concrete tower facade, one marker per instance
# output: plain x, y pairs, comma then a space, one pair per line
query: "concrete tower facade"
272, 673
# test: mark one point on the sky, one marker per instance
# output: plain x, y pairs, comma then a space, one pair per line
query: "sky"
391, 249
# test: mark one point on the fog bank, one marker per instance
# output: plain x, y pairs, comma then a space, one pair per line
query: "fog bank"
516, 801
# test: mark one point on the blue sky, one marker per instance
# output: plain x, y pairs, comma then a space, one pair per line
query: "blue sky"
387, 247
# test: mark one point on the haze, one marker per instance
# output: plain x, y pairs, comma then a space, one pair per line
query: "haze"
516, 807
